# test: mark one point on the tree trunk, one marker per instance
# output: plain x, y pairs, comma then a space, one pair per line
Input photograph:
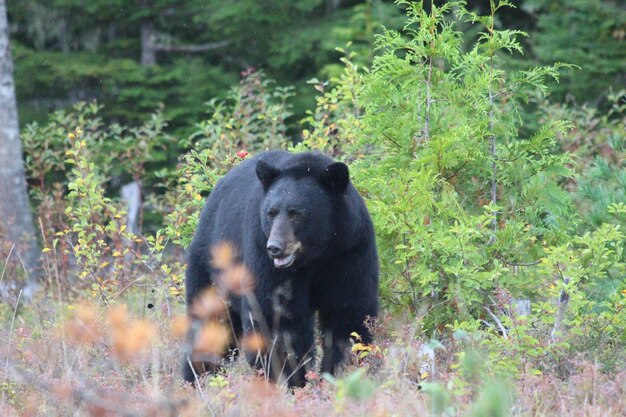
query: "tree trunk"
16, 223
332, 6
64, 37
148, 44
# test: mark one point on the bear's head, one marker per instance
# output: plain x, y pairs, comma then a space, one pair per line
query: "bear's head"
298, 212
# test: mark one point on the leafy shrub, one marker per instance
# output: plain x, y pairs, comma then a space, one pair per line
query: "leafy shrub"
472, 218
250, 120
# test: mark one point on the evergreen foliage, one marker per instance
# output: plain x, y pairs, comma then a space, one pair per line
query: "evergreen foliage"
586, 33
435, 112
472, 216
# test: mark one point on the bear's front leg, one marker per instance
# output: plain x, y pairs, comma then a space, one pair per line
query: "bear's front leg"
287, 326
295, 350
336, 326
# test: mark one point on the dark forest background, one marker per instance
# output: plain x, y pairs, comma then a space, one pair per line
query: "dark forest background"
134, 55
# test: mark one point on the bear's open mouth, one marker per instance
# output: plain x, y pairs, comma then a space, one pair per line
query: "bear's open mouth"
284, 262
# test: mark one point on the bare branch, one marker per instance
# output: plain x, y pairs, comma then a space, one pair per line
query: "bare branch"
494, 178
190, 48
498, 322
428, 100
560, 313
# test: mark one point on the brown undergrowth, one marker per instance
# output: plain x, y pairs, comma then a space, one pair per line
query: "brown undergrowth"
81, 359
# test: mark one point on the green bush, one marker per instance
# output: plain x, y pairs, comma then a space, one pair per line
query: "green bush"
471, 217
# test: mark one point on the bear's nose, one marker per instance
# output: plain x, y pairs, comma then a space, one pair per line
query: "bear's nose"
275, 248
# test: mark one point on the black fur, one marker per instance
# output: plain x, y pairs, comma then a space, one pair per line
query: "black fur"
335, 272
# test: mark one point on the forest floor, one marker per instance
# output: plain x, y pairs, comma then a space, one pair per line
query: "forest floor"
63, 358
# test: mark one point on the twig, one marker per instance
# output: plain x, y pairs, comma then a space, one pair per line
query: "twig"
494, 183
6, 366
456, 172
305, 359
407, 276
492, 138
561, 400
560, 313
426, 137
498, 322
386, 136
6, 262
533, 263
428, 101
610, 321
265, 329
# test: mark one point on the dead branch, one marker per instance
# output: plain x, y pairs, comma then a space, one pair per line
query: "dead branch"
190, 48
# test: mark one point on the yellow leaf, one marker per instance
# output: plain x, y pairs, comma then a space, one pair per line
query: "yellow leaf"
355, 335
46, 250
117, 254
360, 347
424, 375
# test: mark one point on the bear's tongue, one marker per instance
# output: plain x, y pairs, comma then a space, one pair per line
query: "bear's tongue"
280, 262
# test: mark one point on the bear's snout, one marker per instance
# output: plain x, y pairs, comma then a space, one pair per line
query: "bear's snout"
275, 248
282, 245
280, 242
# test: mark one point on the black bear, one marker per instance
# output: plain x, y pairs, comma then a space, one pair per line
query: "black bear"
303, 231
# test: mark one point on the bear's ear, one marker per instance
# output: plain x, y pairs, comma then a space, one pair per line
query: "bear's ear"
266, 173
336, 177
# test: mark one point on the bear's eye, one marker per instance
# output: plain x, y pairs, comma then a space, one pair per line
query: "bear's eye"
272, 213
294, 214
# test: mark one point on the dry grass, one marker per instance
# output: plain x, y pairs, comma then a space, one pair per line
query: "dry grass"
77, 359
